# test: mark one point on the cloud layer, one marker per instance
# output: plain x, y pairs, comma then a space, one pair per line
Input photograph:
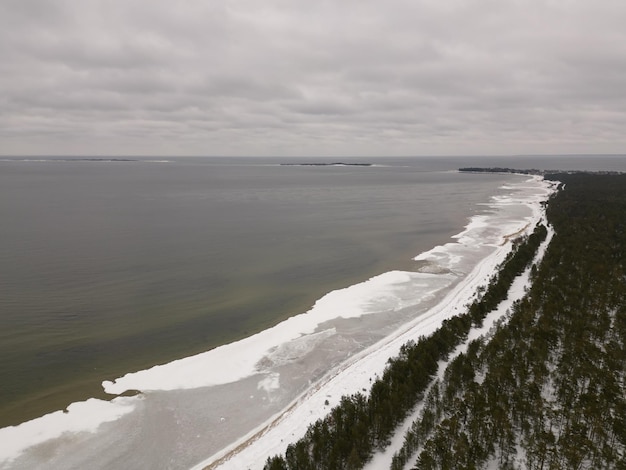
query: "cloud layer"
278, 77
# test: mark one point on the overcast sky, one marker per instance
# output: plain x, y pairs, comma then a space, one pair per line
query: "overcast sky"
296, 77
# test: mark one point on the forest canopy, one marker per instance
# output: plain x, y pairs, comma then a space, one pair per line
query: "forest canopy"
545, 390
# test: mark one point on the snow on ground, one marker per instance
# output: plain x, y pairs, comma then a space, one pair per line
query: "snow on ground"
356, 374
237, 360
182, 397
516, 292
84, 416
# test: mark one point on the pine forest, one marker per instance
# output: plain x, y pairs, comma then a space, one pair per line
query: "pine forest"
543, 390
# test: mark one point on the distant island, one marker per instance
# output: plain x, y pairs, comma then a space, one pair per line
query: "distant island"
66, 159
96, 160
326, 164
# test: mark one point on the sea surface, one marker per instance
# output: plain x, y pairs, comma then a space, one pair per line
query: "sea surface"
109, 267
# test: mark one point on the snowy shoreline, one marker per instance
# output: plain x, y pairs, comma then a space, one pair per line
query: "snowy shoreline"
356, 374
516, 292
260, 366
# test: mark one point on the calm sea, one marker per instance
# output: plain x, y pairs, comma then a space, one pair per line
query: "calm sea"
107, 267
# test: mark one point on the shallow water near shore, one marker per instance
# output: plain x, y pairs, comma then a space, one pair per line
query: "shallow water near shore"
110, 267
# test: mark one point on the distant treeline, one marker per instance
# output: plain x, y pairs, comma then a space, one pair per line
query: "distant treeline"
546, 390
534, 171
502, 170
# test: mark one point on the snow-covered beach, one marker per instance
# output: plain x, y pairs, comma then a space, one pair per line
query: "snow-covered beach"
242, 402
356, 374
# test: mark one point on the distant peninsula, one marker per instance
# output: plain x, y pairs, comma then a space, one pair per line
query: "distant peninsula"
535, 171
326, 164
99, 160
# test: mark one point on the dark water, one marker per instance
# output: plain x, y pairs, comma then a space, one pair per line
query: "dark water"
110, 267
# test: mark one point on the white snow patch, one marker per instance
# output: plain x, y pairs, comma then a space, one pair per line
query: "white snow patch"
356, 374
85, 416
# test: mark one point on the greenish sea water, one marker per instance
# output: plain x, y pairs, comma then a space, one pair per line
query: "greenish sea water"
107, 267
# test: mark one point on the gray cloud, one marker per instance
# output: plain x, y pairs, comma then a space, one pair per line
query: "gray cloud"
312, 78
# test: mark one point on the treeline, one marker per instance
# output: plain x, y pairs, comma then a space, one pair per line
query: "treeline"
347, 437
547, 391
498, 169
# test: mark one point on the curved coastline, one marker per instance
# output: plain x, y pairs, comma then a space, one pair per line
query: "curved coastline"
355, 375
354, 302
